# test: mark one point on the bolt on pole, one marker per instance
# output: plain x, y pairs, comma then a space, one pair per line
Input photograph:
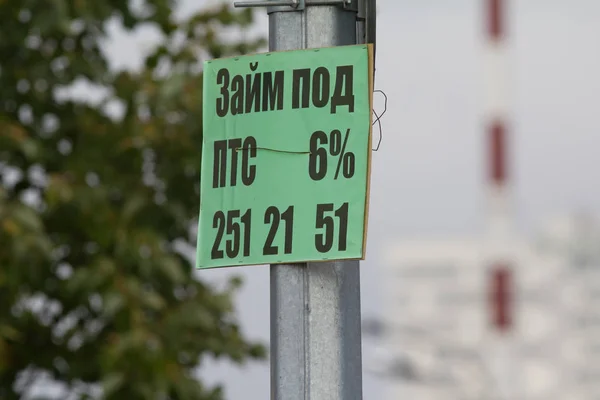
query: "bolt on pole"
315, 307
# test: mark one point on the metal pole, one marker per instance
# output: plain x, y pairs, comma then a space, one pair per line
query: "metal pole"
315, 307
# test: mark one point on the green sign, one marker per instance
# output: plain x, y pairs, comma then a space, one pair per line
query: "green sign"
285, 157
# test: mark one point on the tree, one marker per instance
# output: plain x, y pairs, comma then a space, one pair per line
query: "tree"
95, 292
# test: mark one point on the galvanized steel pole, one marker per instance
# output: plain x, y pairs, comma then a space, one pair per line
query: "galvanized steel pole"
315, 307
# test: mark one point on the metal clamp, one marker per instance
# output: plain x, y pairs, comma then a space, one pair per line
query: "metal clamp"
296, 5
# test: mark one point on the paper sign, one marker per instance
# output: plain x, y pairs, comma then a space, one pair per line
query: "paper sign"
285, 157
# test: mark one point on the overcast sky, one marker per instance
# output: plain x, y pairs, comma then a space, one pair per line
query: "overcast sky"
427, 178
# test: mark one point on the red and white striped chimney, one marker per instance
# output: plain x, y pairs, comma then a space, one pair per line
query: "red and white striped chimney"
500, 262
500, 274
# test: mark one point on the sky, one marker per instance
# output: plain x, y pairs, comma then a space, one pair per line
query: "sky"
428, 176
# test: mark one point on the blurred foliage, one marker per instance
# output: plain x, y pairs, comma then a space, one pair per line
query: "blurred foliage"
94, 293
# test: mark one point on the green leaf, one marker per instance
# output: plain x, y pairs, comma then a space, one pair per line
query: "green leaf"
27, 218
9, 332
113, 303
112, 383
172, 269
154, 301
133, 205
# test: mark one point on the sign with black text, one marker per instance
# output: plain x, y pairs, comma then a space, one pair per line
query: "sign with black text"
285, 157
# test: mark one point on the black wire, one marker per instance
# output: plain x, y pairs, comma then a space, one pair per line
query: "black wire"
269, 149
378, 118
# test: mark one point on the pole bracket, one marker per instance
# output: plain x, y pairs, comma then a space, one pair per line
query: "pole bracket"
295, 5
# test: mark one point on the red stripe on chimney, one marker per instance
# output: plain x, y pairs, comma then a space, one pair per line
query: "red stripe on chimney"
497, 153
495, 9
501, 298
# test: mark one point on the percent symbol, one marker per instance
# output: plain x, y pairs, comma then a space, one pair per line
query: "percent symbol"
317, 165
343, 158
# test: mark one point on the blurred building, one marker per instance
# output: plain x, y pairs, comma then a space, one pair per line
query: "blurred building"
457, 329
